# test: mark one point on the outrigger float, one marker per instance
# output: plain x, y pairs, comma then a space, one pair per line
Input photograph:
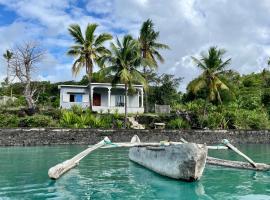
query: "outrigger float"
178, 160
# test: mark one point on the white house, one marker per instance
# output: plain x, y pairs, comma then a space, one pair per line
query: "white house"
105, 97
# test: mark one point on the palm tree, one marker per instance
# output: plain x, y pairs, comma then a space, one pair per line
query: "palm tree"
8, 55
124, 63
88, 50
211, 78
149, 50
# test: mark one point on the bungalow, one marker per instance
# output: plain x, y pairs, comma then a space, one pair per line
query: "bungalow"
105, 97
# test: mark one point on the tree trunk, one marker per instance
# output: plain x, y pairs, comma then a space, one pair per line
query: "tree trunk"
146, 92
90, 93
29, 96
126, 92
219, 98
89, 74
11, 92
8, 72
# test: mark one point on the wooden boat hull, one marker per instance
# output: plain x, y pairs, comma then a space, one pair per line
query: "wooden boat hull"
183, 161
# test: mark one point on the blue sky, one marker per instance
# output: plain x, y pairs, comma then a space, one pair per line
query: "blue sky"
189, 27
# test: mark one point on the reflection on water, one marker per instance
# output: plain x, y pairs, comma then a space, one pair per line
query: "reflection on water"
108, 174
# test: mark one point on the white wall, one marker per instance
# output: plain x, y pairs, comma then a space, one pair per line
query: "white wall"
133, 100
64, 97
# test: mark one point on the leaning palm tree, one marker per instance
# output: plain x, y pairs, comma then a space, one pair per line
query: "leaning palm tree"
149, 48
124, 63
88, 50
8, 56
211, 78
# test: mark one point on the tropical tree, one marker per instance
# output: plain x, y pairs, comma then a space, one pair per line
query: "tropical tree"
23, 64
8, 55
124, 63
88, 50
149, 47
211, 79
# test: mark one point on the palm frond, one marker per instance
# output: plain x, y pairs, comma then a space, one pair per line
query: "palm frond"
78, 65
224, 64
160, 46
102, 38
158, 55
197, 84
90, 33
200, 64
75, 31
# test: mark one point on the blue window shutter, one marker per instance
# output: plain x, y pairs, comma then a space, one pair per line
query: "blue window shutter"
78, 98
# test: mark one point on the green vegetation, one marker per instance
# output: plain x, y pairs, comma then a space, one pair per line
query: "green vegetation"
219, 98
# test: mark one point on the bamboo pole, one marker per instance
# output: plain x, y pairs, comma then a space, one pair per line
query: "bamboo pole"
58, 170
229, 145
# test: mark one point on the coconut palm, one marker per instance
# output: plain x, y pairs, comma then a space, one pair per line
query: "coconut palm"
149, 47
124, 63
211, 78
88, 50
8, 56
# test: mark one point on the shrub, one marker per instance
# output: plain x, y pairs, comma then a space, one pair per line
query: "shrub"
9, 121
249, 102
76, 109
68, 119
178, 124
118, 123
53, 112
55, 101
37, 121
196, 106
213, 120
251, 119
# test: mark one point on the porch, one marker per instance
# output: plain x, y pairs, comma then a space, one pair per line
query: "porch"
106, 98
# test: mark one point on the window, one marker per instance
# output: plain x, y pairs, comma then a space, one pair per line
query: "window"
75, 98
78, 98
120, 100
72, 98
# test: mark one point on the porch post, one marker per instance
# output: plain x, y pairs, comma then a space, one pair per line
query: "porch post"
138, 95
92, 94
109, 97
142, 97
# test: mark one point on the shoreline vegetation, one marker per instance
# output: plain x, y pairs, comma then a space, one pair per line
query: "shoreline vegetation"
219, 98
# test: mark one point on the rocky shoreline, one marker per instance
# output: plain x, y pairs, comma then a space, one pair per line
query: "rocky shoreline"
53, 136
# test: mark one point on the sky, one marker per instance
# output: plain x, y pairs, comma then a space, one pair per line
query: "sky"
189, 27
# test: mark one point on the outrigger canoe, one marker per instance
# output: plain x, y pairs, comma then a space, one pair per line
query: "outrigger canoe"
181, 161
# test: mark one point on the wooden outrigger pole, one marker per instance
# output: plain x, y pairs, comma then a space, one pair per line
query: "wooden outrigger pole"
251, 165
228, 144
58, 170
135, 142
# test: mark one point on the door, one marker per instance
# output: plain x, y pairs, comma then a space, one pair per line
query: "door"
96, 99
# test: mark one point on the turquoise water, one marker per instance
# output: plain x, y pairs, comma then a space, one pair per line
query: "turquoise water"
108, 174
